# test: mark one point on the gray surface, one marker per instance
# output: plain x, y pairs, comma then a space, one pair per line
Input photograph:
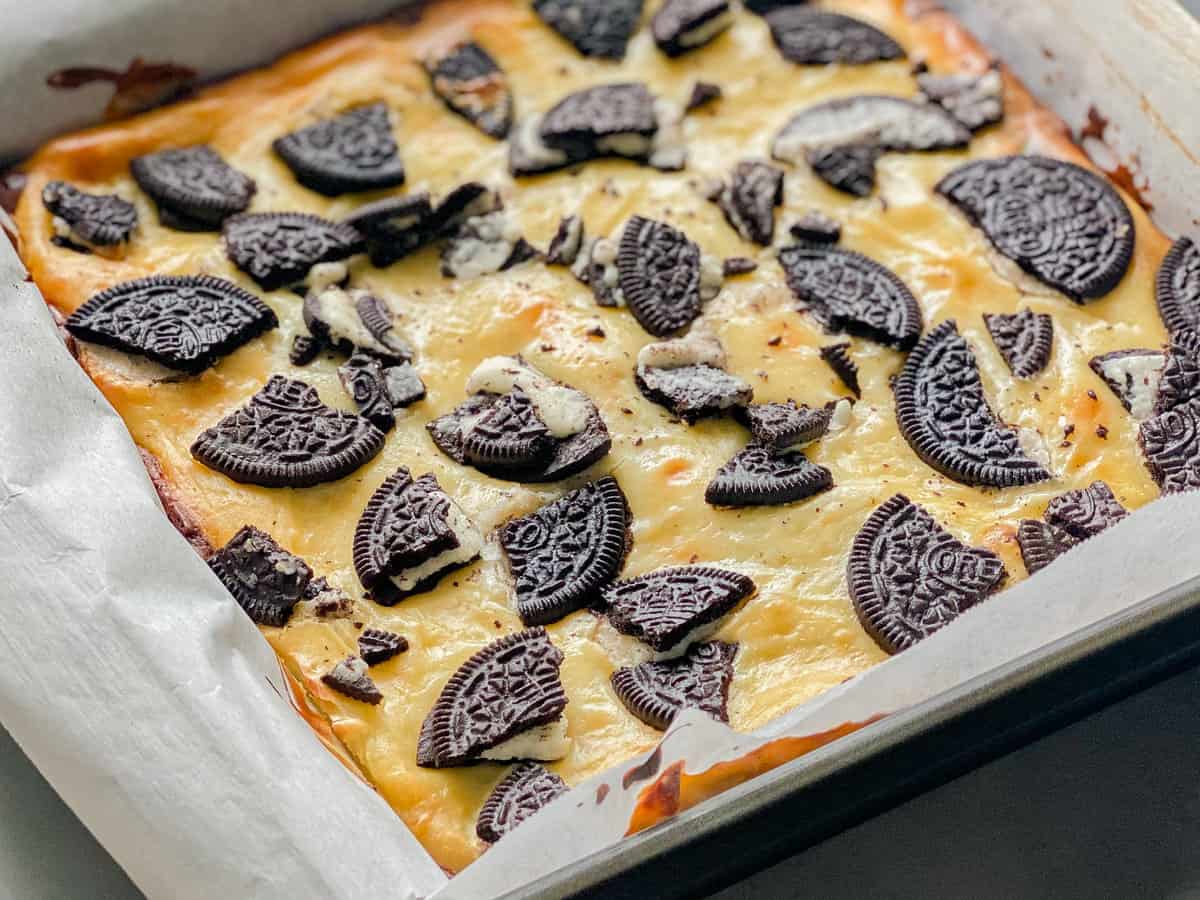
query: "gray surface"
1109, 807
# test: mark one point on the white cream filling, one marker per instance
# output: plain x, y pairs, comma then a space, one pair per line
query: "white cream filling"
668, 150
486, 250
712, 276
628, 143
129, 366
326, 274
697, 348
568, 250
470, 542
695, 636
565, 411
706, 31
339, 312
1141, 375
545, 743
1033, 445
532, 150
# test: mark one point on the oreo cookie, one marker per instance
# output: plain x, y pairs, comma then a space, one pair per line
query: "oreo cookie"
505, 702
817, 228
600, 28
683, 25
658, 270
353, 151
1177, 288
975, 100
909, 577
183, 322
403, 385
195, 189
467, 201
733, 266
349, 677
485, 244
758, 475
1024, 339
266, 580
503, 448
878, 121
278, 249
565, 553
670, 609
749, 200
658, 691
1086, 512
945, 417
468, 80
1064, 225
1180, 381
686, 376
286, 437
362, 377
813, 37
850, 293
567, 242
1134, 377
100, 220
784, 425
703, 93
520, 793
1170, 443
849, 168
1041, 544
394, 228
355, 320
377, 646
409, 536
837, 357
305, 349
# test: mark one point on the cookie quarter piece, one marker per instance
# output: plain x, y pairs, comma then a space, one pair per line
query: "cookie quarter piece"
656, 692
520, 793
278, 249
353, 151
195, 189
266, 580
470, 82
101, 220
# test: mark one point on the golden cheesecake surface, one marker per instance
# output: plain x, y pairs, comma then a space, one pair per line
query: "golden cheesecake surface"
799, 634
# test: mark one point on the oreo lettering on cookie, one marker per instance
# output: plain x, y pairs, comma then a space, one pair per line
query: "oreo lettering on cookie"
683, 25
505, 702
758, 475
749, 199
599, 28
1170, 443
362, 377
1064, 225
286, 437
278, 249
410, 535
851, 293
909, 577
1177, 288
183, 322
470, 82
1024, 339
101, 220
670, 609
353, 151
520, 793
564, 554
266, 580
656, 692
1180, 380
945, 417
195, 189
813, 37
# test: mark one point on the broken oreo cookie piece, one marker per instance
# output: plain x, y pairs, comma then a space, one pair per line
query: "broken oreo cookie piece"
520, 793
945, 417
394, 227
305, 349
266, 580
403, 385
758, 475
909, 577
813, 37
1170, 443
183, 322
564, 554
683, 25
687, 377
849, 168
600, 28
377, 646
279, 249
733, 266
1180, 380
1134, 377
353, 151
671, 609
100, 220
349, 320
1041, 544
509, 436
657, 691
816, 227
749, 199
286, 437
1024, 339
1177, 287
195, 189
1064, 225
506, 702
784, 425
349, 677
1086, 512
975, 100
469, 81
851, 293
567, 242
409, 536
485, 244
362, 377
703, 93
837, 357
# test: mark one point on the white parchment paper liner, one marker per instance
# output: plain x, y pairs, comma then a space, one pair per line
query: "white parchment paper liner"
153, 705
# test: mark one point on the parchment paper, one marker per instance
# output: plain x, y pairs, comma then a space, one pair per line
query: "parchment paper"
151, 702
